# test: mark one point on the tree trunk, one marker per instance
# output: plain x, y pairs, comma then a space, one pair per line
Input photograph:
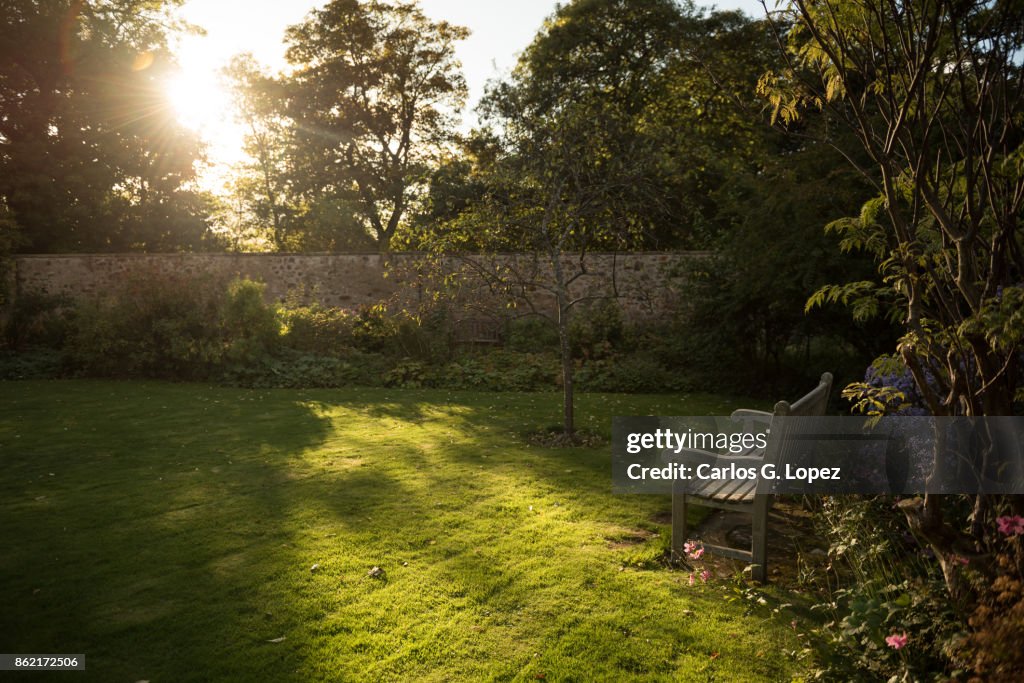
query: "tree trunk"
565, 350
568, 422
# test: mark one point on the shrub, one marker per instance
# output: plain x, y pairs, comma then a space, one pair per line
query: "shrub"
319, 330
372, 329
596, 331
249, 327
890, 589
408, 374
33, 364
532, 334
502, 371
638, 372
993, 648
38, 320
423, 337
173, 327
294, 369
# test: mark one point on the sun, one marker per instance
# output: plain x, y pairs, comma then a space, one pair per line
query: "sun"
200, 101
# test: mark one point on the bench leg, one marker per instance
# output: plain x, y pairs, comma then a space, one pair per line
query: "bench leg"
759, 530
678, 523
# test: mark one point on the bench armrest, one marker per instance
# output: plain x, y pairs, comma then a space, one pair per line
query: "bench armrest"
751, 415
694, 456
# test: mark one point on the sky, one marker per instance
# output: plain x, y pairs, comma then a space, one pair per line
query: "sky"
500, 29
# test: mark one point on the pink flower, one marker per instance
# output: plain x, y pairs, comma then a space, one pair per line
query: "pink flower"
1010, 526
705, 575
896, 641
960, 559
697, 554
689, 547
691, 578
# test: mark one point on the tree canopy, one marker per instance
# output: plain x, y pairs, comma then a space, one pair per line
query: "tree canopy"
91, 156
372, 101
933, 92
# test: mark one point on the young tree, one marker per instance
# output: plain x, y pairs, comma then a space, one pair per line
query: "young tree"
933, 90
372, 100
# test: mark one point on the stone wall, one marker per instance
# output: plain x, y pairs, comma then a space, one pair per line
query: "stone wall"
640, 280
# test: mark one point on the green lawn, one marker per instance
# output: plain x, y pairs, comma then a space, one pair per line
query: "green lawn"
168, 532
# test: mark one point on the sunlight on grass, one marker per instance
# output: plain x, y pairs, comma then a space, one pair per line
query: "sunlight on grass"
170, 532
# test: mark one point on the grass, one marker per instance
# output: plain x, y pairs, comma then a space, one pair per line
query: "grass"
168, 532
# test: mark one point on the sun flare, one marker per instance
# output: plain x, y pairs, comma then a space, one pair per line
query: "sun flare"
200, 101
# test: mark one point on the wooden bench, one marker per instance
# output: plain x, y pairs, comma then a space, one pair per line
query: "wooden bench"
745, 495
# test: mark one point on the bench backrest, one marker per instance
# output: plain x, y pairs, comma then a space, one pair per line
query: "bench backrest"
813, 404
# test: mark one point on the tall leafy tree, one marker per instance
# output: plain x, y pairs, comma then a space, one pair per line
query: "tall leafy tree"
567, 168
91, 157
601, 64
260, 186
934, 92
372, 99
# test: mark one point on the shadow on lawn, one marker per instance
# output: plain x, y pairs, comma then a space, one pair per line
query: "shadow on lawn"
178, 540
161, 498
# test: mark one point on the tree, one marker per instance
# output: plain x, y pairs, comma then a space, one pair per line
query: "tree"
933, 91
608, 61
91, 156
568, 175
260, 186
372, 100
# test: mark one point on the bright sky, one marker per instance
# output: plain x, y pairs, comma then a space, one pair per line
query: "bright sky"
500, 29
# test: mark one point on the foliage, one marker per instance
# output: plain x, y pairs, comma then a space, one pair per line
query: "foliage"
532, 334
567, 176
370, 100
260, 186
888, 389
595, 331
8, 240
932, 92
638, 372
168, 327
998, 624
884, 586
289, 368
91, 156
37, 320
407, 374
502, 371
319, 330
945, 229
37, 363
